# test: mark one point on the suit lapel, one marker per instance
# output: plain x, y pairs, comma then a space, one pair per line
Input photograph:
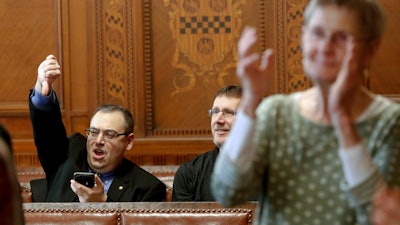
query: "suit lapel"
118, 186
121, 182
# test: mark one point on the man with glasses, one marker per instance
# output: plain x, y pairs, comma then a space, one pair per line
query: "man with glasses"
192, 179
110, 134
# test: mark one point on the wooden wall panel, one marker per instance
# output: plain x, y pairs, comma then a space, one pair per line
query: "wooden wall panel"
139, 53
195, 45
385, 71
29, 30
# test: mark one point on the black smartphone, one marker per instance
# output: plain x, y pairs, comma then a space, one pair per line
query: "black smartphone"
85, 178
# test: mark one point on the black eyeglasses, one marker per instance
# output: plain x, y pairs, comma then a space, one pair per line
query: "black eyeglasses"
227, 113
107, 134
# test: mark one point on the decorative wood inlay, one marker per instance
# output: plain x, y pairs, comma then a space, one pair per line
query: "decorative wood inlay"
205, 40
290, 75
262, 27
201, 55
182, 132
130, 60
114, 36
148, 71
296, 80
280, 49
99, 47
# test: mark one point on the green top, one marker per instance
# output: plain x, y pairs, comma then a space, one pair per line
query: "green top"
302, 176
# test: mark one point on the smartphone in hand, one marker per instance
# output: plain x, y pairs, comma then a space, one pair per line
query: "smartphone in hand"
85, 178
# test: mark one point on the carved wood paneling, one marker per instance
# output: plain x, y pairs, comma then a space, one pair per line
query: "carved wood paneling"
152, 57
194, 53
114, 39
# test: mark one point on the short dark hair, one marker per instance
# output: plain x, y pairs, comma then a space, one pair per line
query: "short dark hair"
234, 91
108, 108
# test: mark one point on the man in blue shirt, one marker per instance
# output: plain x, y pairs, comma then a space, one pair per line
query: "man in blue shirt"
110, 134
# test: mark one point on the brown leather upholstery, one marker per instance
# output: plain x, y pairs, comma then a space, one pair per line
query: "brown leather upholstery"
166, 174
25, 175
26, 192
187, 216
198, 213
32, 175
71, 217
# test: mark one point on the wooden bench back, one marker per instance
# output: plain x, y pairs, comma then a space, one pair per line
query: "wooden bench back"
166, 213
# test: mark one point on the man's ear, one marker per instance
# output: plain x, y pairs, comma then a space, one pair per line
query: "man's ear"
131, 138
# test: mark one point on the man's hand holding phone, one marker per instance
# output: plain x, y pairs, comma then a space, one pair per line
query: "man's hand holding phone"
85, 178
88, 189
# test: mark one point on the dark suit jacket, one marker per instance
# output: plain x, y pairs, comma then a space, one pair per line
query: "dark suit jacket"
192, 179
61, 156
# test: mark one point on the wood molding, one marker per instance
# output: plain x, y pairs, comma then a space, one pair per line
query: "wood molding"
127, 52
144, 152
